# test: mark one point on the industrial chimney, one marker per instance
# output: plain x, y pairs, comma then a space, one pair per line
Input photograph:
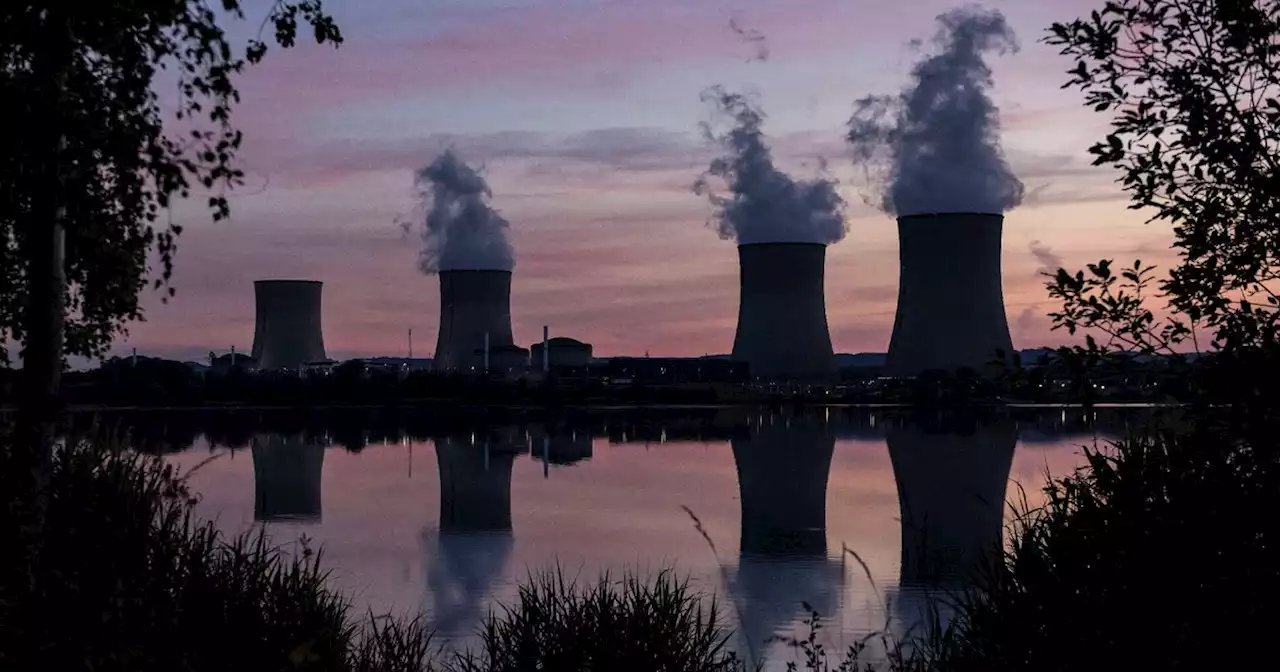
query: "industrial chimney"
951, 493
287, 473
950, 302
472, 303
287, 328
782, 313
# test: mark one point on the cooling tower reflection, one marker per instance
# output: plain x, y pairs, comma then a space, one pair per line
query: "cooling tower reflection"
475, 480
472, 545
951, 492
287, 471
783, 461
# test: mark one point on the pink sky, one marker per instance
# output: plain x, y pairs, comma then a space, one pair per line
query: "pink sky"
585, 114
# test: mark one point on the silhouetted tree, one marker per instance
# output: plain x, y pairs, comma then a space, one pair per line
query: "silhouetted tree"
1192, 86
91, 166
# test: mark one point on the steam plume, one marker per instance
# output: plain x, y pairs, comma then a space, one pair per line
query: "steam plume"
936, 146
460, 230
764, 205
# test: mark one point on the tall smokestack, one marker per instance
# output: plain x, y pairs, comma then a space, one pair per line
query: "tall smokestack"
782, 312
951, 493
287, 330
287, 475
472, 304
950, 300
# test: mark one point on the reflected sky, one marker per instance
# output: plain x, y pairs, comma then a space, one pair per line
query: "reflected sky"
446, 527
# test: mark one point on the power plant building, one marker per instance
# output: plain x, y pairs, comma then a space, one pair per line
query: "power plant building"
287, 331
782, 331
509, 360
950, 311
475, 312
562, 352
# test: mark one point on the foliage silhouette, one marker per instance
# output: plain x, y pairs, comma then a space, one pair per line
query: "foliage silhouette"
116, 162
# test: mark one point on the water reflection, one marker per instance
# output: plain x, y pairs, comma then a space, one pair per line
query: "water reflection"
475, 481
783, 462
951, 477
287, 473
920, 499
471, 546
560, 445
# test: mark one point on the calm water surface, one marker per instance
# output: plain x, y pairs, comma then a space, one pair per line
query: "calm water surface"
450, 525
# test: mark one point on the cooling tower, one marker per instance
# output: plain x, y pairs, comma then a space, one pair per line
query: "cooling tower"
287, 474
475, 485
782, 314
783, 466
287, 329
951, 495
472, 303
950, 303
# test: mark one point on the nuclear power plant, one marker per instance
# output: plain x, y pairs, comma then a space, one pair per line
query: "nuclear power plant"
475, 316
782, 313
951, 495
287, 327
950, 299
783, 465
287, 473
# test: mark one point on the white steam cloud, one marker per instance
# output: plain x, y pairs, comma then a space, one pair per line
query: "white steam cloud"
764, 205
460, 230
936, 146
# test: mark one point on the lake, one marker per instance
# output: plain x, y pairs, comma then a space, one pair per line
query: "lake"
863, 514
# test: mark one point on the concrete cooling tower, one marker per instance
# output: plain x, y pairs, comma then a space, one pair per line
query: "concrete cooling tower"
951, 495
287, 328
950, 302
782, 313
475, 485
287, 474
472, 304
782, 483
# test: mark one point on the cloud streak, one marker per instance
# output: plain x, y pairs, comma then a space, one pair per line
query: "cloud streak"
1048, 260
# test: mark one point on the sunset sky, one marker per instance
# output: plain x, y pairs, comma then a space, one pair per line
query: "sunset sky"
585, 115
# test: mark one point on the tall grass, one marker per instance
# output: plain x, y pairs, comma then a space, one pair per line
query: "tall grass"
1162, 551
125, 577
623, 624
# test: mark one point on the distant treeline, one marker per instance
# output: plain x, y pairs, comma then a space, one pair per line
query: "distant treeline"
165, 431
151, 382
